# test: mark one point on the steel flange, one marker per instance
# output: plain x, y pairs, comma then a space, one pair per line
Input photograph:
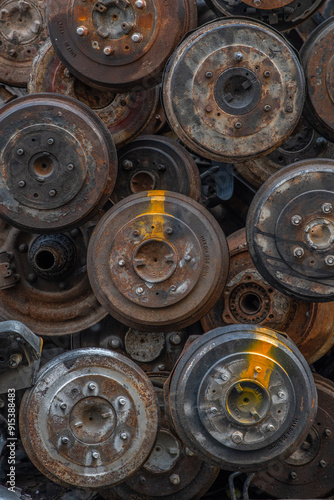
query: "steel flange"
118, 44
308, 473
241, 86
90, 420
126, 115
157, 163
290, 230
241, 396
158, 261
22, 30
58, 163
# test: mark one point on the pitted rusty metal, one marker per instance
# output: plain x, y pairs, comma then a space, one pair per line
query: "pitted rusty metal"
328, 9
308, 473
52, 294
290, 230
248, 298
22, 30
233, 89
118, 44
125, 114
304, 143
172, 471
156, 163
158, 122
242, 396
158, 261
58, 163
154, 352
318, 62
280, 14
90, 420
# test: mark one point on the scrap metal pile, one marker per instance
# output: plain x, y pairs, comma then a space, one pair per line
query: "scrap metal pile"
166, 249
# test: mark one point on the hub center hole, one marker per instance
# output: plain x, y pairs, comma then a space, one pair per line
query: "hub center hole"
45, 260
43, 165
250, 303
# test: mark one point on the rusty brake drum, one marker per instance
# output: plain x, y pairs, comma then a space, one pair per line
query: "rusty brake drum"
151, 162
125, 114
58, 163
90, 420
309, 471
318, 61
241, 396
233, 89
158, 261
118, 44
22, 30
283, 15
290, 230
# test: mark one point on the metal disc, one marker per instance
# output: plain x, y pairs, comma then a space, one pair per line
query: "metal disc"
22, 30
283, 15
90, 420
242, 396
290, 230
303, 144
58, 163
308, 473
248, 298
157, 261
118, 44
152, 162
241, 86
126, 115
318, 62
52, 295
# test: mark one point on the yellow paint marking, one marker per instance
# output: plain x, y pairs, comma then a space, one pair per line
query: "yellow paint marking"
156, 208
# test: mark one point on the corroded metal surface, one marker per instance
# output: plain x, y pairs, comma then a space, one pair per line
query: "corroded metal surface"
52, 295
118, 44
304, 143
58, 163
157, 163
248, 298
158, 261
318, 62
126, 115
242, 396
308, 473
90, 420
290, 230
280, 14
233, 89
22, 30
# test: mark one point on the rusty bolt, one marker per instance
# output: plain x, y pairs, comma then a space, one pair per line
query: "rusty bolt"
108, 51
65, 440
267, 107
327, 208
82, 30
173, 288
142, 479
122, 401
20, 152
78, 424
224, 376
121, 263
140, 290
140, 4
296, 220
322, 463
187, 258
189, 453
63, 406
328, 432
293, 475
175, 339
329, 260
298, 252
213, 410
266, 74
136, 232
115, 344
321, 142
91, 386
70, 166
306, 446
281, 394
208, 109
238, 57
75, 233
127, 164
238, 125
161, 367
67, 73
124, 435
257, 3
95, 454
175, 479
237, 437
52, 193
23, 248
50, 141
137, 37
258, 369
32, 277
208, 74
270, 428
162, 168
169, 230
15, 360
